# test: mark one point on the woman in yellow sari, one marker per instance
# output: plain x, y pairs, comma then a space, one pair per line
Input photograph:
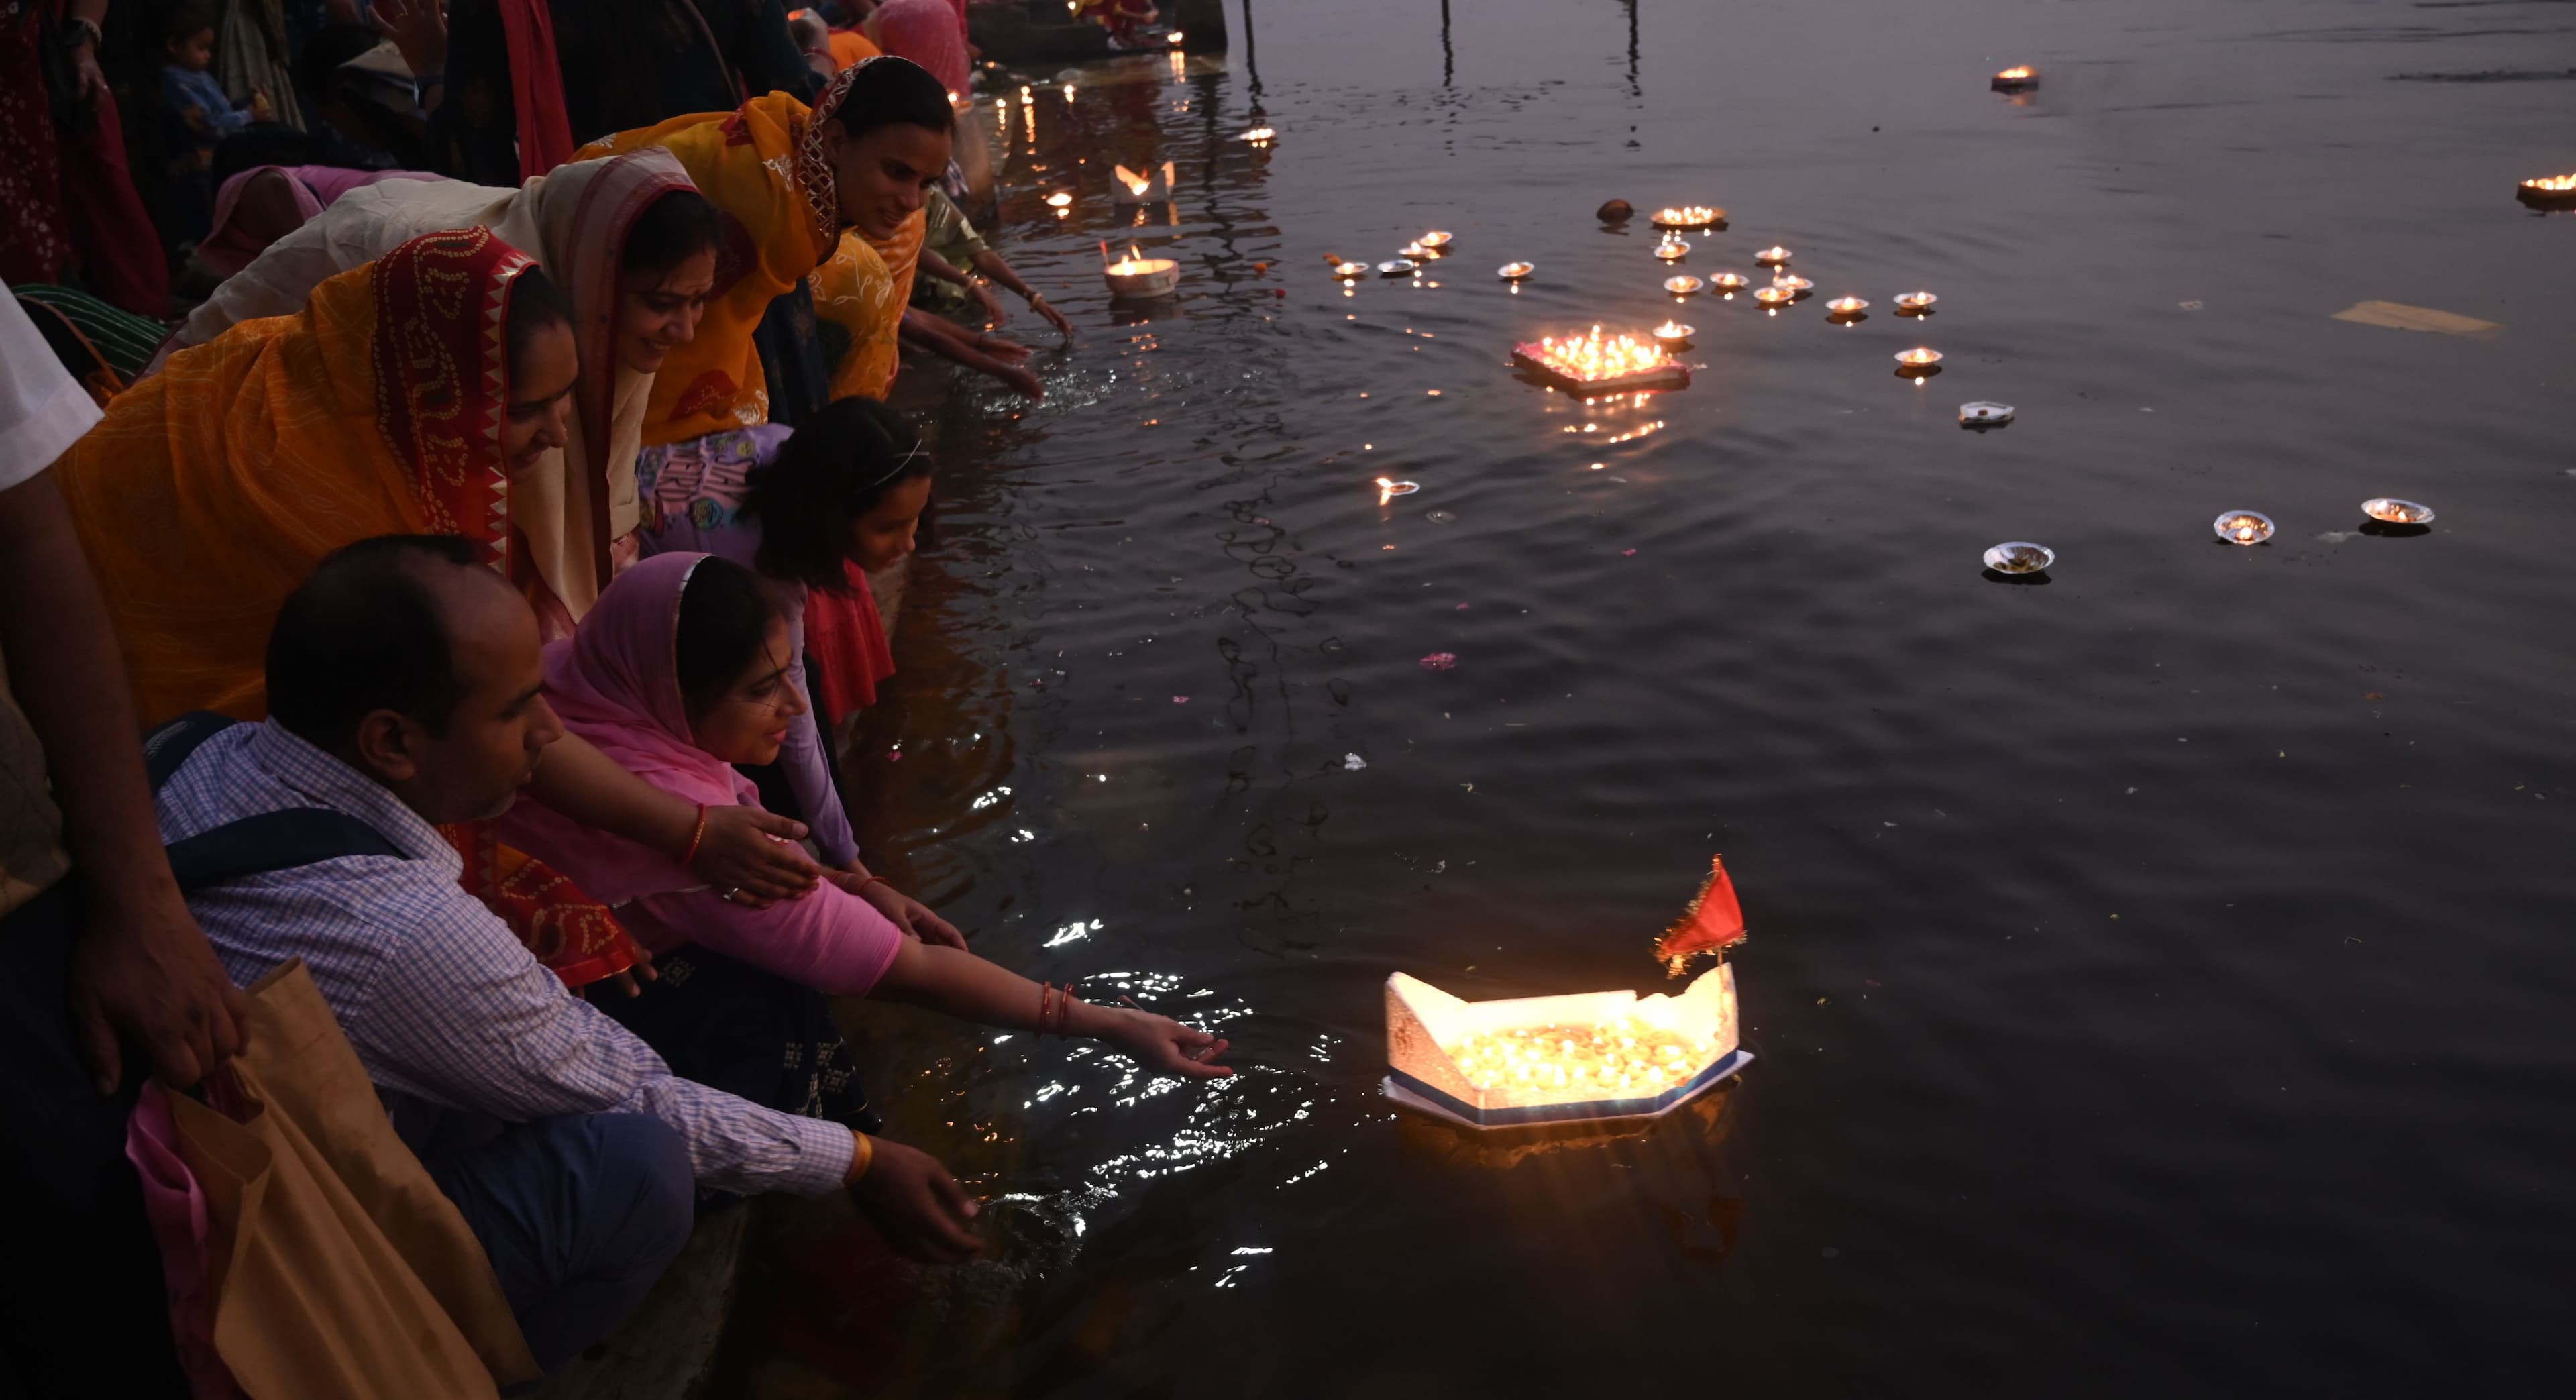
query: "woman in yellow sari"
791, 182
400, 400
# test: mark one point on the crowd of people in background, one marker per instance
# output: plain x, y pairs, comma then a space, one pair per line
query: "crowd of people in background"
456, 434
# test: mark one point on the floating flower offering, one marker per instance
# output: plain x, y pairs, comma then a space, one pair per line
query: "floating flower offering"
1139, 276
2550, 191
1772, 256
1846, 307
1915, 303
1729, 282
1688, 216
1775, 296
1349, 270
2018, 78
2396, 512
1388, 489
2243, 527
1398, 267
1674, 334
1058, 200
1985, 414
1672, 250
1682, 286
1514, 271
1436, 238
1593, 1055
2020, 557
1597, 364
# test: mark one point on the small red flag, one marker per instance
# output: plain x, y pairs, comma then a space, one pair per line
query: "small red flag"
1713, 921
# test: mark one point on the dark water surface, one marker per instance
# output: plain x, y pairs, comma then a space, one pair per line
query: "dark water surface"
2161, 978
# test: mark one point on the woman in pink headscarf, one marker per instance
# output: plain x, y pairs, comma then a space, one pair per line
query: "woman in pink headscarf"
267, 202
680, 673
931, 33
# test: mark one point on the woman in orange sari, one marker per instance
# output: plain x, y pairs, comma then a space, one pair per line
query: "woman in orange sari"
398, 401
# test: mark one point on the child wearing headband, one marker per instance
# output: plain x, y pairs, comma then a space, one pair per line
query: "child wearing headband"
812, 511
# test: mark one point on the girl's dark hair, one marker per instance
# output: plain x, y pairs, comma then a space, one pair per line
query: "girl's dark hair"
724, 624
833, 471
889, 90
673, 229
535, 303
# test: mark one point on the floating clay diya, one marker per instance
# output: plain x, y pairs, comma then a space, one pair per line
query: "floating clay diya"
1688, 216
1350, 271
1531, 1060
2549, 192
1918, 364
1914, 303
1846, 308
1728, 283
1775, 296
1682, 286
2243, 527
1388, 488
2018, 78
1794, 284
1595, 364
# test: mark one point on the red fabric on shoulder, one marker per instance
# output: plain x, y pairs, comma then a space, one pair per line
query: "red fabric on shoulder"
846, 638
536, 87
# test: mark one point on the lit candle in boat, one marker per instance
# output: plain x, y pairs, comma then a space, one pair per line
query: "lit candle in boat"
1687, 216
2396, 512
1514, 271
2018, 78
1672, 250
1914, 303
1388, 489
1673, 334
2243, 527
1773, 256
1681, 286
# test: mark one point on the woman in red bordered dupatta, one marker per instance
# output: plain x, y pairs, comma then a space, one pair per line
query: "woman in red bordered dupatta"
397, 401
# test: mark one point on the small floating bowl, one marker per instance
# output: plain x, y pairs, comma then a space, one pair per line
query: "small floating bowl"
1515, 271
1685, 218
1436, 239
1775, 297
1799, 285
1730, 282
1774, 256
1673, 249
1914, 303
1985, 413
1844, 308
2018, 557
2397, 512
1413, 250
1398, 267
1350, 271
1152, 277
1920, 357
1673, 335
1387, 486
2247, 527
1682, 286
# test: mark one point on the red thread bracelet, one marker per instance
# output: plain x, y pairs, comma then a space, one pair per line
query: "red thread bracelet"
697, 837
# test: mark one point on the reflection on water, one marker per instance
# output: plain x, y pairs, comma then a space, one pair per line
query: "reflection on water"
2099, 1048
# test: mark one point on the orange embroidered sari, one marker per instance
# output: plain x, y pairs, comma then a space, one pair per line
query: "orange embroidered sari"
762, 165
211, 490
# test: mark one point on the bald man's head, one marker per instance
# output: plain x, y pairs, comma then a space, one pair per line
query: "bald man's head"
410, 659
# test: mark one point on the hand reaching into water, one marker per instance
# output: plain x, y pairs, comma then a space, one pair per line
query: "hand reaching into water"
905, 912
1165, 1046
916, 1205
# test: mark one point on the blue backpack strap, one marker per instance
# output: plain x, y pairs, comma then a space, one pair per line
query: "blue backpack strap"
254, 845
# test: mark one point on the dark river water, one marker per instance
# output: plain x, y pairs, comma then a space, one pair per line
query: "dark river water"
2161, 979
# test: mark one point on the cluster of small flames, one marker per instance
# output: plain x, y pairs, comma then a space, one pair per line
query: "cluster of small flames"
1596, 356
2552, 184
1687, 216
1626, 1057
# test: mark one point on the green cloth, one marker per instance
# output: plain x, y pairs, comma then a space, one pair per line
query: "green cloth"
116, 338
952, 237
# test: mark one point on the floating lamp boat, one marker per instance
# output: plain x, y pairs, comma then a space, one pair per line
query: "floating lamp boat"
2549, 192
1914, 303
1729, 283
1773, 256
1388, 489
1138, 276
1150, 187
1594, 364
1515, 271
1683, 285
1672, 249
1673, 335
2243, 527
1775, 296
1846, 308
2017, 557
2397, 512
1688, 216
2018, 78
1532, 1060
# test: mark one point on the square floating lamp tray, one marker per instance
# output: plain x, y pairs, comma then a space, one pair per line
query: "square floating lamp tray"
1594, 364
1592, 1056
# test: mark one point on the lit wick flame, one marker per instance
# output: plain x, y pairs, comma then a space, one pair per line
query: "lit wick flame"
1602, 1058
1137, 262
2552, 184
1389, 488
1436, 238
1671, 331
1259, 135
1847, 306
1687, 216
1919, 355
1058, 200
1596, 357
2015, 74
1772, 256
1174, 37
1672, 249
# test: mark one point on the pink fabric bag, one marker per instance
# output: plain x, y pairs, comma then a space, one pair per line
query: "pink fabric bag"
177, 1210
